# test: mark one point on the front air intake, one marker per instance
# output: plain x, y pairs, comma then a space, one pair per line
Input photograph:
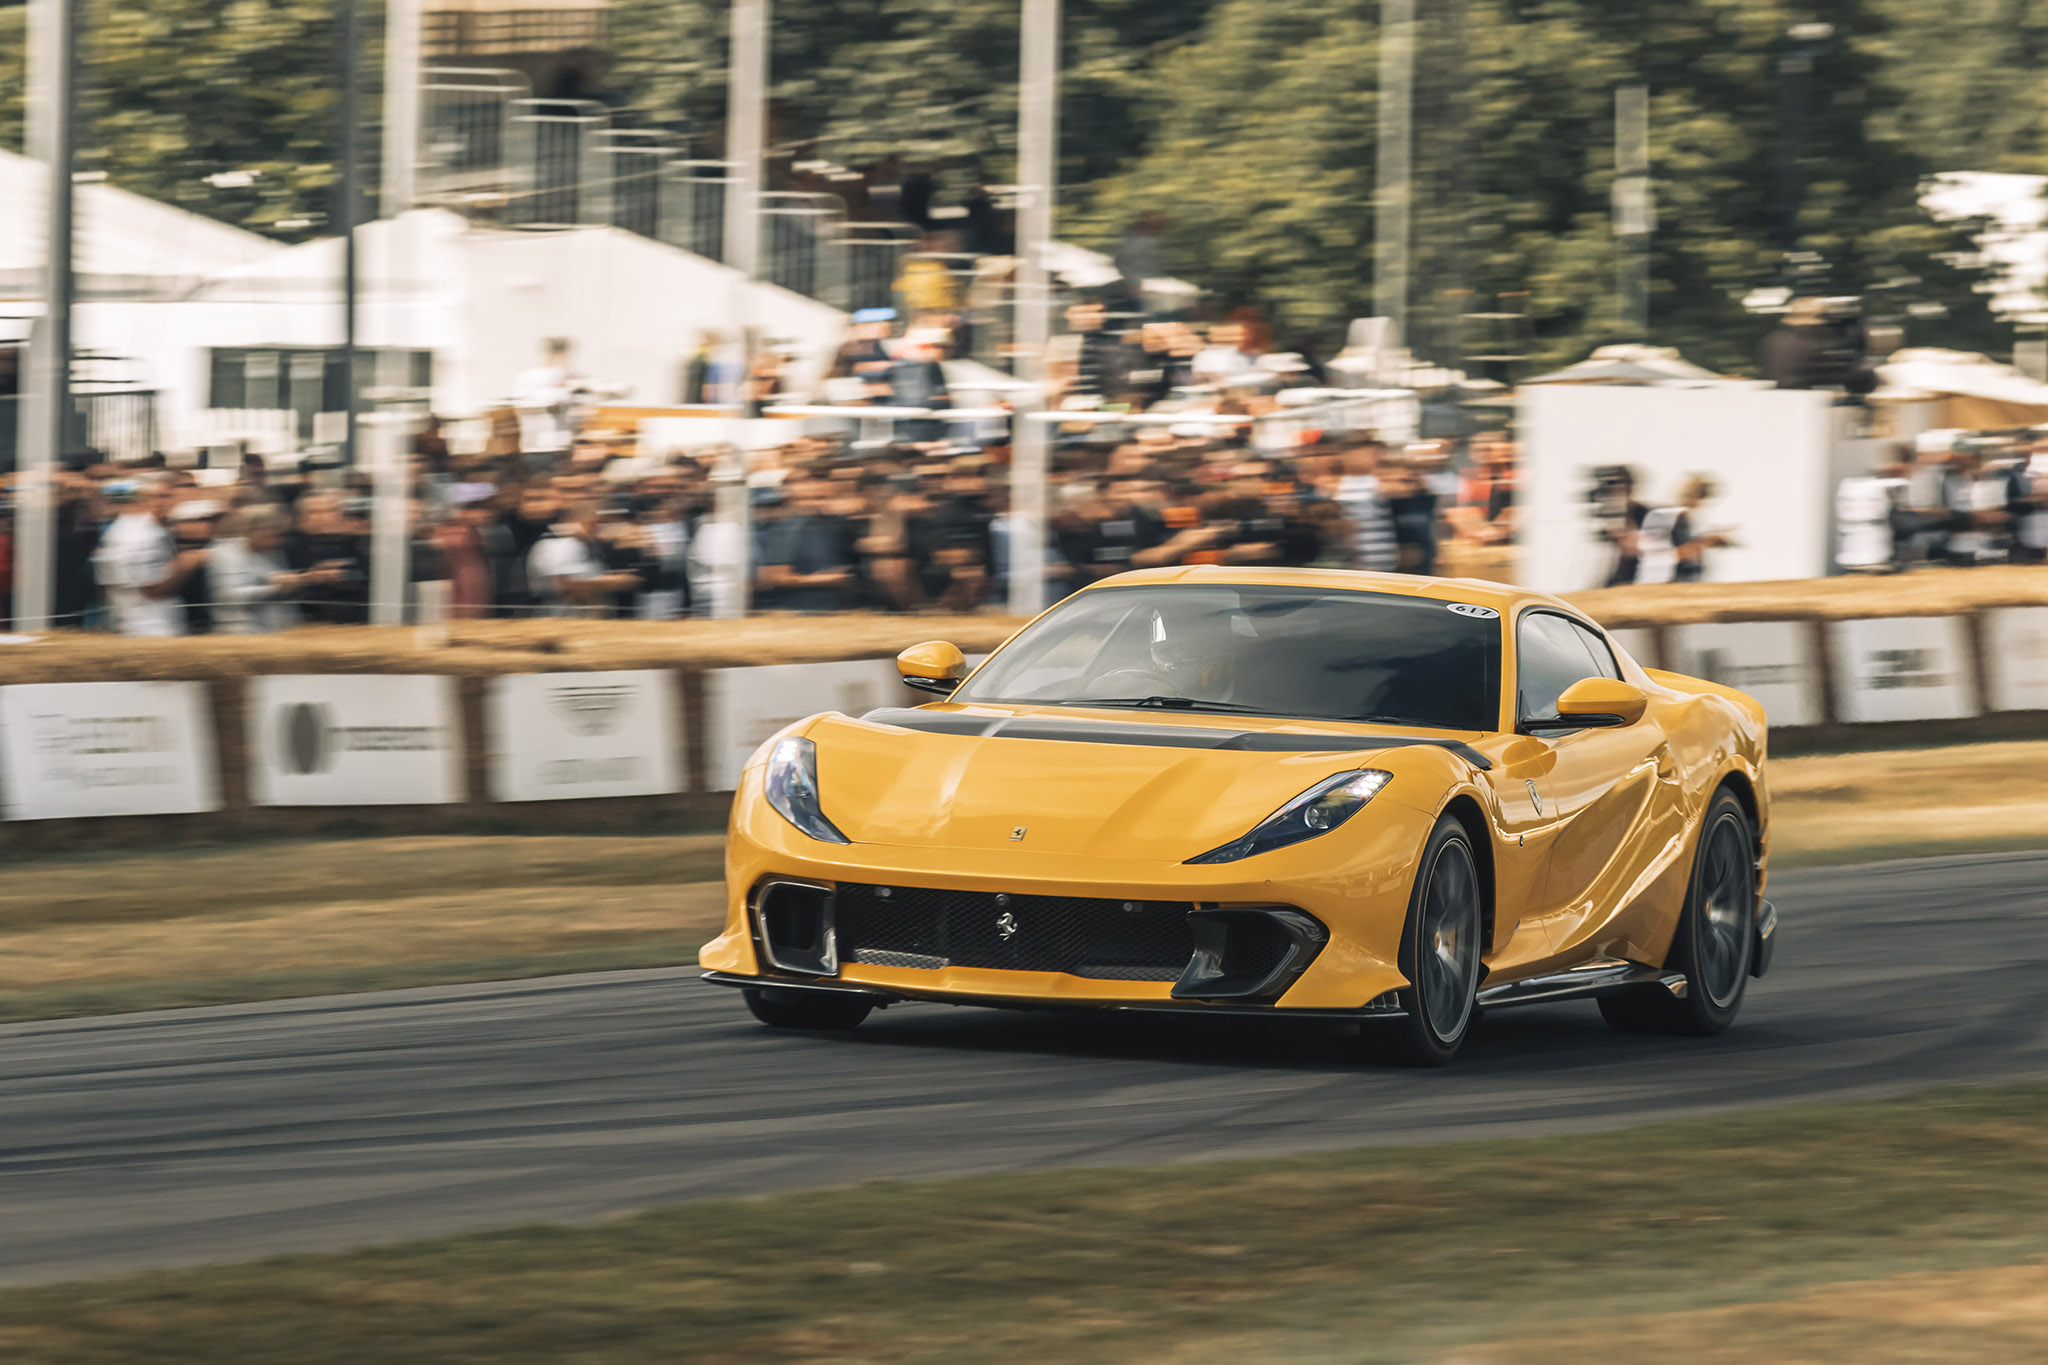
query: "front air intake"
797, 931
1248, 954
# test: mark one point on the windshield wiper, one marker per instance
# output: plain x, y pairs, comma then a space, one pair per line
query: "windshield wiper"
1172, 704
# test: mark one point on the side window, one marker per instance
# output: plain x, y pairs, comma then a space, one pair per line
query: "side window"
1550, 655
1604, 664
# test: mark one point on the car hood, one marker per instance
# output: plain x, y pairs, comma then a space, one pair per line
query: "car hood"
1104, 784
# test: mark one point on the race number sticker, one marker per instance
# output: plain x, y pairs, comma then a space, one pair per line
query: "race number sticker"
1480, 613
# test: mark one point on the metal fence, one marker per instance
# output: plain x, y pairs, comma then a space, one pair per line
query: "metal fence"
491, 150
632, 162
875, 253
693, 206
567, 180
471, 150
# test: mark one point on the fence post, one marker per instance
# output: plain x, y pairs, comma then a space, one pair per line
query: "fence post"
388, 530
1038, 180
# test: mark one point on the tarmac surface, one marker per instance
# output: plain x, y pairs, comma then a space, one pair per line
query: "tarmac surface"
241, 1131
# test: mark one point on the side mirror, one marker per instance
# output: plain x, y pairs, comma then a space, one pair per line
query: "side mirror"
1592, 702
934, 666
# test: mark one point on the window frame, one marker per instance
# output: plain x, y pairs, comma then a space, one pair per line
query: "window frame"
1524, 725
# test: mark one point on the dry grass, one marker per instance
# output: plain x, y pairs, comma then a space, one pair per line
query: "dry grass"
1843, 807
137, 931
488, 648
1924, 592
1777, 1227
1999, 1314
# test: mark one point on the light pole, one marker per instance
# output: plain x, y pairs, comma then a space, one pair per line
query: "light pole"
351, 191
746, 120
1393, 175
1038, 175
46, 396
1796, 53
1634, 215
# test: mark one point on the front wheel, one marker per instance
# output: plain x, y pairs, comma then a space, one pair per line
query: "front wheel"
1715, 941
806, 1009
1440, 955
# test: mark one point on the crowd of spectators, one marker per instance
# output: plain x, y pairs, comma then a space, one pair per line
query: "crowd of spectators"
601, 530
1951, 498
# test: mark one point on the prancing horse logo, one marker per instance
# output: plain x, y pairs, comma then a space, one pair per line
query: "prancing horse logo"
1017, 834
1007, 926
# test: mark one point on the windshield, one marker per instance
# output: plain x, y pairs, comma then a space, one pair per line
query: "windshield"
1311, 653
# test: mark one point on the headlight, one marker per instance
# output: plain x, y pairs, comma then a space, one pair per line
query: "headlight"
792, 787
1318, 810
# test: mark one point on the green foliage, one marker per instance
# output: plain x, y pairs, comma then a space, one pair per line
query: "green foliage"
1266, 146
1252, 125
924, 78
180, 90
13, 74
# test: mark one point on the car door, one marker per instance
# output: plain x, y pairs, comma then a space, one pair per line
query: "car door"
1599, 782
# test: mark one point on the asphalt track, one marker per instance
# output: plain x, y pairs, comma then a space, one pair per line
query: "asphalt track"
227, 1133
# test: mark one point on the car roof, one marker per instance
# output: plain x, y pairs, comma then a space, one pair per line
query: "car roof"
1502, 597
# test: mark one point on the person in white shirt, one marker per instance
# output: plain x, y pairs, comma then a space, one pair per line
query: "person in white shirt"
546, 397
567, 571
1225, 356
139, 564
1374, 545
668, 544
250, 581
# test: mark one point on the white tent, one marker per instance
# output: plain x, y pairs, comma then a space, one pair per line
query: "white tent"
123, 244
1972, 392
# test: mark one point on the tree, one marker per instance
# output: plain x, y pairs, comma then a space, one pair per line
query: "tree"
925, 79
1264, 152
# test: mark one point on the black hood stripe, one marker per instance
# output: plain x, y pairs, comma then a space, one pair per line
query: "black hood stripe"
1156, 736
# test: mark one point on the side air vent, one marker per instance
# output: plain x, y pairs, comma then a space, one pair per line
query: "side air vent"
1248, 954
795, 920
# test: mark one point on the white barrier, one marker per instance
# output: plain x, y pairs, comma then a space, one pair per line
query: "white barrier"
1902, 668
743, 706
88, 749
357, 740
107, 748
1773, 661
2016, 659
577, 736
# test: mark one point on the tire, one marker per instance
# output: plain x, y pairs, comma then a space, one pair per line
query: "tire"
1440, 948
806, 1009
1715, 941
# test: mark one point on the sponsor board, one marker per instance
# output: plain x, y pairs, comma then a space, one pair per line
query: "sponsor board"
106, 748
1902, 668
577, 736
371, 739
744, 706
1772, 661
2016, 658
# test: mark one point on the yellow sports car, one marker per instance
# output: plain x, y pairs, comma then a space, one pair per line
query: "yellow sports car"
1283, 792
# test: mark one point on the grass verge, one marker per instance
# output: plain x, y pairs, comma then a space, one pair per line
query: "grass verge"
151, 930
1763, 1223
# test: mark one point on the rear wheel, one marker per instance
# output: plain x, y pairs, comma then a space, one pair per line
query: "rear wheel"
1439, 954
1716, 937
806, 1009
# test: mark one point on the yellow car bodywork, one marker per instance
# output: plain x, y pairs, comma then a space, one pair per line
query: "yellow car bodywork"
1585, 840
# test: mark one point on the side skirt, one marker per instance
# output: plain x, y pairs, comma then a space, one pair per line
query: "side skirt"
1584, 982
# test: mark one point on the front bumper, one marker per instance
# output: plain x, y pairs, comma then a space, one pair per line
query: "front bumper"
1353, 885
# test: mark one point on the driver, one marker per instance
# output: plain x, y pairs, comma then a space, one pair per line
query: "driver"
1196, 652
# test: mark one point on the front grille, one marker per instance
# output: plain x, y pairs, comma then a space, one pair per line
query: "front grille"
1118, 940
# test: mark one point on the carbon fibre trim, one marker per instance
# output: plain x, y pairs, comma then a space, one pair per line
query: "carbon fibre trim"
1079, 731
